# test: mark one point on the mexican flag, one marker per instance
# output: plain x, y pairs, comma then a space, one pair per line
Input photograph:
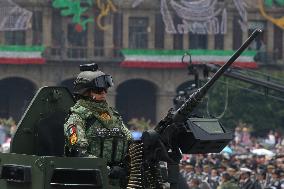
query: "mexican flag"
21, 55
173, 58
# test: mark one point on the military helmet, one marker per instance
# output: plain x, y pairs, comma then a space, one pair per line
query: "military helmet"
91, 78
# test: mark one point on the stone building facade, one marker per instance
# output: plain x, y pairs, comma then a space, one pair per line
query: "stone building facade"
149, 91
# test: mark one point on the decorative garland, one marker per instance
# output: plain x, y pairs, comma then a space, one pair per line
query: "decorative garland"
149, 58
74, 8
136, 3
21, 54
197, 17
13, 17
269, 3
240, 5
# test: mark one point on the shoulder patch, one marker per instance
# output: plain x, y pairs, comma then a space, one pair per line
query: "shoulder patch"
72, 129
73, 139
105, 116
72, 134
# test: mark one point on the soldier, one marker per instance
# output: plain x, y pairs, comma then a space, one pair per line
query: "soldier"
194, 183
214, 178
189, 172
275, 179
245, 179
227, 183
270, 170
206, 173
93, 127
232, 172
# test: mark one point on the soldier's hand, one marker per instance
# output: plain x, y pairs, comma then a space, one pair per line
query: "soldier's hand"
117, 172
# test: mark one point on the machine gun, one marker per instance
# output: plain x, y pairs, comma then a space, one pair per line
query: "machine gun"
179, 134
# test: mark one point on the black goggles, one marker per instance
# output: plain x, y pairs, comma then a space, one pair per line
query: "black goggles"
104, 81
99, 90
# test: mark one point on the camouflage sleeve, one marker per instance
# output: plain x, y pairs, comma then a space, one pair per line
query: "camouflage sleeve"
74, 130
126, 131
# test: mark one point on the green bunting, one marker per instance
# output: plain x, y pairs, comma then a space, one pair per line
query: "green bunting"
74, 8
280, 2
270, 3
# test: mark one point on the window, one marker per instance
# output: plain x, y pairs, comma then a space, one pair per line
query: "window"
138, 34
219, 41
197, 41
159, 32
15, 37
178, 41
77, 42
75, 38
58, 36
37, 27
178, 38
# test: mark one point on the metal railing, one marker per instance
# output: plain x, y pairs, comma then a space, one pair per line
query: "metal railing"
81, 53
101, 53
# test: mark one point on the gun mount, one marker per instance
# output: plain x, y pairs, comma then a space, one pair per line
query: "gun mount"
181, 115
177, 133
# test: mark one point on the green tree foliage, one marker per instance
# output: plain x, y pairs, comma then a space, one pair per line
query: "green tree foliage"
140, 124
7, 122
247, 103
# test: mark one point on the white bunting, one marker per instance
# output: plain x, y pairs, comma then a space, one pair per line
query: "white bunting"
13, 17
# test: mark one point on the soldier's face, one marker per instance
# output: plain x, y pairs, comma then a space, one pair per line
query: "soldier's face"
99, 96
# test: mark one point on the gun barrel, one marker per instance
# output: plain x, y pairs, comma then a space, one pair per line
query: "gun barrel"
183, 112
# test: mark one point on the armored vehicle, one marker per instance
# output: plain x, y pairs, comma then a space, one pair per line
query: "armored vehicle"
37, 161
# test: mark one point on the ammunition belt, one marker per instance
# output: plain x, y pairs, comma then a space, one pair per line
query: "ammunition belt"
142, 175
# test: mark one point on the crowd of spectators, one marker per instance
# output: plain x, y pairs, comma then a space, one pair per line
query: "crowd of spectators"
247, 163
7, 130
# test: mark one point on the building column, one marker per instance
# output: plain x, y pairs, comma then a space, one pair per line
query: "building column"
151, 31
125, 31
90, 37
29, 37
47, 30
185, 41
270, 36
2, 36
168, 39
211, 40
108, 36
245, 35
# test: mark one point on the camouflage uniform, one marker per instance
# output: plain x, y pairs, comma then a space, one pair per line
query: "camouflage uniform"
97, 129
228, 185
